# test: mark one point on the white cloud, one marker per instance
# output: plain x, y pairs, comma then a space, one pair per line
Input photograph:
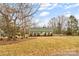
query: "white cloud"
67, 13
48, 6
67, 7
71, 6
76, 5
36, 20
77, 16
44, 13
43, 23
44, 6
53, 6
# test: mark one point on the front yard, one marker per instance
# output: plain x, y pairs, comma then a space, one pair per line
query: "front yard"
37, 46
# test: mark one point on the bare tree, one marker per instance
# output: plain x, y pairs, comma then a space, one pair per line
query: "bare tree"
26, 11
6, 12
57, 23
17, 15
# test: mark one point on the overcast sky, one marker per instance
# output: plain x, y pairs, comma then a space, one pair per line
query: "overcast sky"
50, 10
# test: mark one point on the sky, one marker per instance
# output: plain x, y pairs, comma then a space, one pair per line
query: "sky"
50, 10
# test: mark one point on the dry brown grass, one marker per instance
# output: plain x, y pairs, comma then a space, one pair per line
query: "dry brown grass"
55, 45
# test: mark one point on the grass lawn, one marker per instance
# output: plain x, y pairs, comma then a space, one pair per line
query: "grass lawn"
38, 46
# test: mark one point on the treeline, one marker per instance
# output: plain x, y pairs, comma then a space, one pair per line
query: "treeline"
64, 25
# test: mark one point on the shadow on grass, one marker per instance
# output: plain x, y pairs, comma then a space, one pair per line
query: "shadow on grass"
5, 42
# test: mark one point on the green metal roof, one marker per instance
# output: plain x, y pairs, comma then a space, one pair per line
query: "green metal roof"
40, 30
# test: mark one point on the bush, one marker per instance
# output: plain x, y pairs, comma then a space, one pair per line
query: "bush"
1, 39
38, 34
45, 34
30, 34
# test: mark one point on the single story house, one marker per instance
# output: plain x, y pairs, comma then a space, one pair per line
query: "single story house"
40, 32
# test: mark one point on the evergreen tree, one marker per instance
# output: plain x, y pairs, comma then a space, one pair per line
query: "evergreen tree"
72, 25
